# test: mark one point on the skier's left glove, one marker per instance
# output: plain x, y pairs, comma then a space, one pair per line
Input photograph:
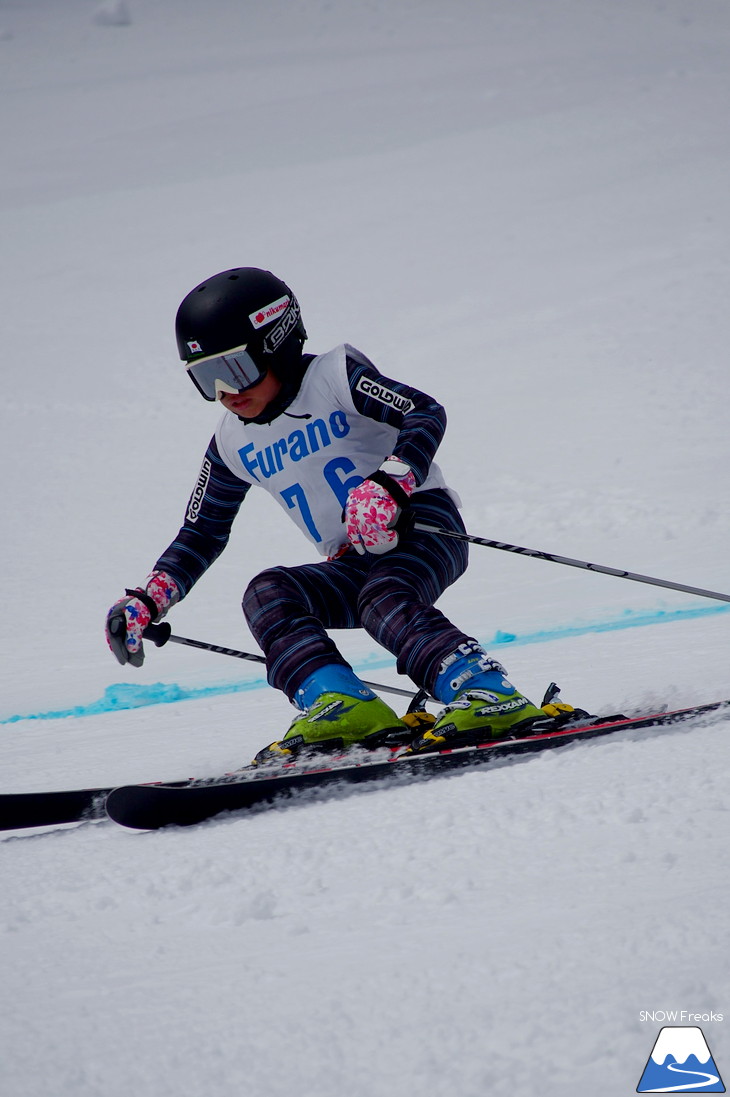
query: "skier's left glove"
378, 510
130, 616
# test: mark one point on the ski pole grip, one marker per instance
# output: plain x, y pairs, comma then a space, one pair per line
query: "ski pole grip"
158, 634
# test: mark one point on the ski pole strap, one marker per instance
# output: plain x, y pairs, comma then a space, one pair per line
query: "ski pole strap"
569, 562
392, 486
143, 597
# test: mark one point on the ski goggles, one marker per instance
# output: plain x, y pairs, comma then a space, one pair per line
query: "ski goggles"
235, 371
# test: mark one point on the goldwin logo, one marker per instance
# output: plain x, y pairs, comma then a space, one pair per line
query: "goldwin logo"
199, 490
383, 395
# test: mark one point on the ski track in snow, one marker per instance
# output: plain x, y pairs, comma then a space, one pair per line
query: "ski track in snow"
523, 210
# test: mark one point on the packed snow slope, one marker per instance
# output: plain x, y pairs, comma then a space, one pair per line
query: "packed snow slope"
523, 209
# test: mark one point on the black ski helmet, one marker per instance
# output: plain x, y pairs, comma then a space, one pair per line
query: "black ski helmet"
247, 307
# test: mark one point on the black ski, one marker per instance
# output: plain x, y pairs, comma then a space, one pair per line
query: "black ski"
148, 807
47, 809
39, 809
20, 810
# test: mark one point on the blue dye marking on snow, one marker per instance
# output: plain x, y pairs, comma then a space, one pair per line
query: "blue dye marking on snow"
121, 696
629, 619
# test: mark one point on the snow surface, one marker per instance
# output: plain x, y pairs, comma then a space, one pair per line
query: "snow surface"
523, 209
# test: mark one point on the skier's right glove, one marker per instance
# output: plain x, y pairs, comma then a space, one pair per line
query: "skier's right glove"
130, 616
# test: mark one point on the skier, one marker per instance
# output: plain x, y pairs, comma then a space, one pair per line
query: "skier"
348, 454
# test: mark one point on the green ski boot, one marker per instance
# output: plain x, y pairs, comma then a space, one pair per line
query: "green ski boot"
335, 718
480, 704
475, 716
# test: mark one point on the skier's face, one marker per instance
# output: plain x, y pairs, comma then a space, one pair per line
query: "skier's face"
254, 400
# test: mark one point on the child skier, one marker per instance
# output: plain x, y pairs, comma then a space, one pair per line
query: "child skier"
348, 454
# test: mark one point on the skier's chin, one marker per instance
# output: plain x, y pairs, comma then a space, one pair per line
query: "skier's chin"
239, 405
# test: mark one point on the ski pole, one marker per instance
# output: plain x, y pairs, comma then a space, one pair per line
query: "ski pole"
161, 634
553, 558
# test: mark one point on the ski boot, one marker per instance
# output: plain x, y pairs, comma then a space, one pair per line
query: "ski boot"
338, 711
480, 703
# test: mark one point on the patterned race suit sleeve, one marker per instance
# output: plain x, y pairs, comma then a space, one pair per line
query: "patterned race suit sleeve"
204, 534
419, 419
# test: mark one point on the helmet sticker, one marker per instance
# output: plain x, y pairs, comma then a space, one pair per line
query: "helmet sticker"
269, 313
194, 347
277, 335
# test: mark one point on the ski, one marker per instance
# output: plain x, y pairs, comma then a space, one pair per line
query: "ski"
247, 788
46, 809
149, 807
22, 810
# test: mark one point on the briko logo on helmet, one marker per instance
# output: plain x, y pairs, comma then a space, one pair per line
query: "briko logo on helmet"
288, 322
